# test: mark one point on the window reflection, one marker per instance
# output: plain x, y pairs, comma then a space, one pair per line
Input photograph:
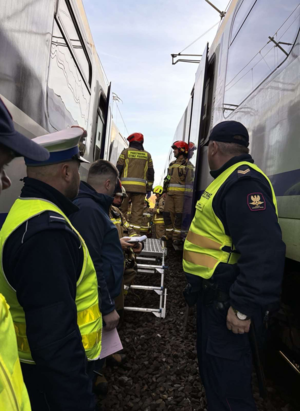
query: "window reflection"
72, 34
252, 56
68, 96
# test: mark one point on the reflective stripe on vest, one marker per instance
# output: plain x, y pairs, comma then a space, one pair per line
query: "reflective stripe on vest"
207, 244
133, 181
116, 221
179, 187
158, 221
13, 393
89, 318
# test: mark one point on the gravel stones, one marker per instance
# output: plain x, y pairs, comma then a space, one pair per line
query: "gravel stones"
161, 372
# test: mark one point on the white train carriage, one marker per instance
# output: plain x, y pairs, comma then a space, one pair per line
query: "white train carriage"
51, 78
251, 73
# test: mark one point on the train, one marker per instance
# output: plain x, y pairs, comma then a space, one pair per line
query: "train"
251, 73
52, 78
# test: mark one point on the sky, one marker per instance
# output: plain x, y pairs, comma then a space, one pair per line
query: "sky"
134, 40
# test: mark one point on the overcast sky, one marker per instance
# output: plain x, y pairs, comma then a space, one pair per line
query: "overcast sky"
134, 40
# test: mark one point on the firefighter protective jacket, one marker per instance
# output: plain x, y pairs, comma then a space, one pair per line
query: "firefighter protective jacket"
120, 222
158, 211
136, 170
147, 221
180, 177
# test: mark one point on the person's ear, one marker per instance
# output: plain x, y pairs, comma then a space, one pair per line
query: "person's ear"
66, 172
107, 184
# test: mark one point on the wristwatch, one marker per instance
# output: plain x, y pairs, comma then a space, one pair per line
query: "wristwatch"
240, 316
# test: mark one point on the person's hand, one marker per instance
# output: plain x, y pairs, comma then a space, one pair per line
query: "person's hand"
137, 248
235, 325
111, 320
125, 243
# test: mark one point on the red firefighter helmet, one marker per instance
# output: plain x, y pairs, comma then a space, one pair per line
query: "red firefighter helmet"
136, 137
181, 146
192, 147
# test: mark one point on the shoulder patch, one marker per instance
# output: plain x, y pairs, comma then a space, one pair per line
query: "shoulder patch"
256, 202
243, 172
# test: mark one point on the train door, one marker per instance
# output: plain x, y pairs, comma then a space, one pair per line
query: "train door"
100, 127
195, 133
107, 129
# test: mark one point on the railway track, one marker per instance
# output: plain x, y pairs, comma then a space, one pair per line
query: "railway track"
161, 372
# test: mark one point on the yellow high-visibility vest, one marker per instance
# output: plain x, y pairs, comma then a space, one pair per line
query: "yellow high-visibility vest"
89, 318
206, 239
13, 392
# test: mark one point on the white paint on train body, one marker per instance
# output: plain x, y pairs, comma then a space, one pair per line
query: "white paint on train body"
248, 78
52, 78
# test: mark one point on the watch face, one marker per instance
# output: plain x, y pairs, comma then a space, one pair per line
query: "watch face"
241, 316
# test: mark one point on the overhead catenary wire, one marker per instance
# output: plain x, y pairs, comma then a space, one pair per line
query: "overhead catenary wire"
121, 115
202, 35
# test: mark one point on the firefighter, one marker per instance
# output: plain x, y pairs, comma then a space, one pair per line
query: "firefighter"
137, 175
146, 220
158, 220
124, 231
188, 197
177, 183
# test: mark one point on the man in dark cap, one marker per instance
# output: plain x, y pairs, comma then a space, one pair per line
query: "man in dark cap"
234, 260
12, 144
49, 280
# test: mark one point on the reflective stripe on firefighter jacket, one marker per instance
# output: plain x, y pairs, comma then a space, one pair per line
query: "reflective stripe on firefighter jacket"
137, 174
146, 221
181, 177
89, 318
13, 393
117, 217
158, 211
207, 244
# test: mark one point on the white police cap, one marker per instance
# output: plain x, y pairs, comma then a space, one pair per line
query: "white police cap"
62, 145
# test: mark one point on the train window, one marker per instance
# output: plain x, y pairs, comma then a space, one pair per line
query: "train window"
68, 97
253, 56
243, 10
71, 30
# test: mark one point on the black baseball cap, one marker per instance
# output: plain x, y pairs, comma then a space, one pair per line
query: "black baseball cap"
227, 131
19, 144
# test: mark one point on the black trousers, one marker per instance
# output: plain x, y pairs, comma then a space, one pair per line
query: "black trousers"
225, 360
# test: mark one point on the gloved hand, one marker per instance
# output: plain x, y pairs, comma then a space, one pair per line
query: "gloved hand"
148, 195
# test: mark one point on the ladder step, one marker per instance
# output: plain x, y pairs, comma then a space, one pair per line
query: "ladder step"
144, 310
146, 287
146, 271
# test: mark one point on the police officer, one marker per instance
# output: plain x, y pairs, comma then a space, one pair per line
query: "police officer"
13, 393
234, 260
49, 281
158, 220
177, 183
137, 175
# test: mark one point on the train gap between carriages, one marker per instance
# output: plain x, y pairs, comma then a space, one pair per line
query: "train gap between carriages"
161, 371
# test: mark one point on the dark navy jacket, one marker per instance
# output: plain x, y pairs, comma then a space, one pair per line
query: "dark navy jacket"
255, 282
101, 236
42, 261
